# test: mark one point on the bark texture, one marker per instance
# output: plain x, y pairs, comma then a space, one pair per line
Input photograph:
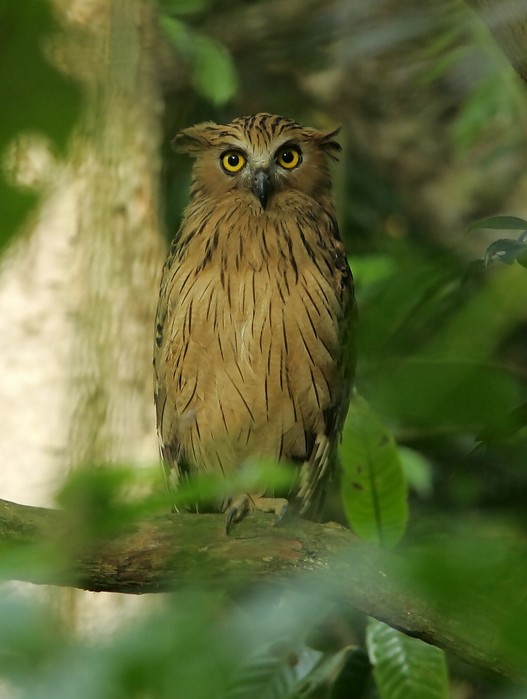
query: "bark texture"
118, 248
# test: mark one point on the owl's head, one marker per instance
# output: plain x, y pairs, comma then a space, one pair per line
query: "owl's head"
261, 158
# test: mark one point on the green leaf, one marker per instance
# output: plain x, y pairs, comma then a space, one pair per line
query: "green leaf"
480, 109
405, 667
33, 95
214, 75
99, 501
374, 489
372, 269
475, 574
178, 35
506, 250
257, 475
267, 675
213, 71
508, 223
29, 634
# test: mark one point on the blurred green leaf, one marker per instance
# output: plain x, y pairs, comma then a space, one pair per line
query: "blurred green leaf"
442, 395
477, 575
369, 270
214, 74
407, 306
495, 100
505, 426
405, 667
505, 250
512, 223
258, 475
373, 486
480, 321
179, 35
177, 650
417, 470
33, 94
30, 637
212, 69
268, 674
104, 501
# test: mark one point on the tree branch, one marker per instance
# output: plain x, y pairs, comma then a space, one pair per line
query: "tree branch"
166, 552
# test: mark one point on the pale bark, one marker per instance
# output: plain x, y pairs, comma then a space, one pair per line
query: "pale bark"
118, 247
78, 290
118, 251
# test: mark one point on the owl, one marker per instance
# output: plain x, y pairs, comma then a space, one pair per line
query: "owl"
252, 354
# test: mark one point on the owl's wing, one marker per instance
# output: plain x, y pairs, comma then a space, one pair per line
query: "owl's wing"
168, 446
318, 468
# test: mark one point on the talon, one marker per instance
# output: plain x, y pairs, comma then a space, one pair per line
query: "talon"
229, 521
244, 504
237, 511
281, 512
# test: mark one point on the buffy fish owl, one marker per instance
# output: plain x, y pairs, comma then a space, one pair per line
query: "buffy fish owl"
253, 350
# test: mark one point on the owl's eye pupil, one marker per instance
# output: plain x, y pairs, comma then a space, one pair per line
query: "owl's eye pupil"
289, 158
232, 162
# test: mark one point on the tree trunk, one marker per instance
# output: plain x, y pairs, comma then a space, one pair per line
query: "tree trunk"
80, 289
118, 247
118, 253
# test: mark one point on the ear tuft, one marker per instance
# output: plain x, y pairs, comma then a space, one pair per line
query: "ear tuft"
194, 139
325, 141
328, 143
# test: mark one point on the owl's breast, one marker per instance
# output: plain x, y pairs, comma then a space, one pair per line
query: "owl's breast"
254, 363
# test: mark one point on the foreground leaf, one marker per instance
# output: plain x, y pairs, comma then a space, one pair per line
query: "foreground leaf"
212, 68
405, 667
34, 97
504, 223
267, 675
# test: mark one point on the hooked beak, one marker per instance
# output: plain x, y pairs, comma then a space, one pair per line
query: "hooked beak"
261, 186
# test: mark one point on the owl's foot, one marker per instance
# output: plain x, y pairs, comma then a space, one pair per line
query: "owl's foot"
245, 503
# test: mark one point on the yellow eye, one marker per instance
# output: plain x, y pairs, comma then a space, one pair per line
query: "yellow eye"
288, 158
232, 161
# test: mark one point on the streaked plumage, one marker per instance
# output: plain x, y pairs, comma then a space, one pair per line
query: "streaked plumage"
252, 353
